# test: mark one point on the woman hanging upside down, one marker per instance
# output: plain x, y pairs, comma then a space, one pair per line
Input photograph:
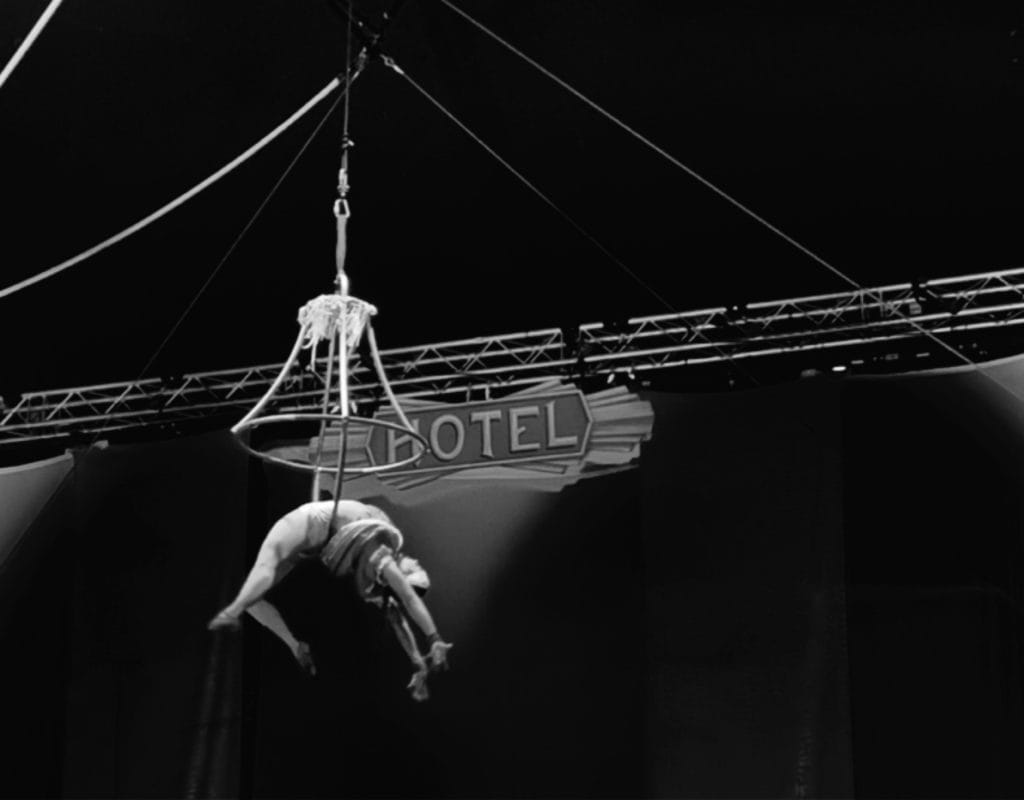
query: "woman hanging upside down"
362, 543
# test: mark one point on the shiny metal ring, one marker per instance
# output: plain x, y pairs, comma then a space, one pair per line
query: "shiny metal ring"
419, 440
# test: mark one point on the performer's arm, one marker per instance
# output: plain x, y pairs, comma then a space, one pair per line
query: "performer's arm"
400, 625
417, 611
267, 615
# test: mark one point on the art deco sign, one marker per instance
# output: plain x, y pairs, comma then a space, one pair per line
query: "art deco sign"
490, 433
552, 434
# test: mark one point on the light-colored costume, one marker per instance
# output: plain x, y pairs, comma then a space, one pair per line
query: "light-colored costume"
357, 544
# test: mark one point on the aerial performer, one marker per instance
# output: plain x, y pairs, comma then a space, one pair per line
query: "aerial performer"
353, 540
356, 541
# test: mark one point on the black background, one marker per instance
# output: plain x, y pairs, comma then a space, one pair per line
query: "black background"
884, 136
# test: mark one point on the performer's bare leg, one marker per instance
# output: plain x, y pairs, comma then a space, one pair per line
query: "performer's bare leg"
276, 558
267, 615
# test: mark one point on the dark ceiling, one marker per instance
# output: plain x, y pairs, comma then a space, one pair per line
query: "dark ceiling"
884, 136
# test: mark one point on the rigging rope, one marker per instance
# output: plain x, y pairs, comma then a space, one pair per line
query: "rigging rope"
341, 215
390, 63
166, 209
345, 143
350, 77
29, 40
245, 228
695, 175
233, 246
341, 207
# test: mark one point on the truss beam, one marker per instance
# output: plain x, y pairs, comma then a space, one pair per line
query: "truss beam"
841, 324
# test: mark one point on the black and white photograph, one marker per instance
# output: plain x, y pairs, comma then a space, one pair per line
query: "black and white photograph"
541, 399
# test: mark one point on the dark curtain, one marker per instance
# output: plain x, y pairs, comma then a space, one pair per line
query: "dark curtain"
810, 590
152, 701
745, 677
934, 524
34, 647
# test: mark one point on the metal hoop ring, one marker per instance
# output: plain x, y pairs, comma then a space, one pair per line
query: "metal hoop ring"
418, 439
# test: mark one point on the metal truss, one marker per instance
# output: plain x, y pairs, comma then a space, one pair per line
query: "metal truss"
842, 325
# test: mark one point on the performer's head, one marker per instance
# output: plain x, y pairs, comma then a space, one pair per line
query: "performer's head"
414, 573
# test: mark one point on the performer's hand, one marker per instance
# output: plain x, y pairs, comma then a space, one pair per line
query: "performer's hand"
224, 620
418, 685
304, 656
439, 655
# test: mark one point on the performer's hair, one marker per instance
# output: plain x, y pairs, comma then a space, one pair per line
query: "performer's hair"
418, 577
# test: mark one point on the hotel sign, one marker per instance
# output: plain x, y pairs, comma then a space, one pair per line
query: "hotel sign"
545, 436
553, 425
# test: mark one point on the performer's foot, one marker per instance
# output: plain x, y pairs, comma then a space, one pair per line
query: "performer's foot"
224, 620
305, 658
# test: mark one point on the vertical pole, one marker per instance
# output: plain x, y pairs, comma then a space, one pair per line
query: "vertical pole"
343, 355
325, 406
342, 332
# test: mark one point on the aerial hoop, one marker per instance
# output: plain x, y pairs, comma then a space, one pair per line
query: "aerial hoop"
345, 422
341, 320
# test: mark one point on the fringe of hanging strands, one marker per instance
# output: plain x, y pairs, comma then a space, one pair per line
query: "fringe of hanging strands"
321, 317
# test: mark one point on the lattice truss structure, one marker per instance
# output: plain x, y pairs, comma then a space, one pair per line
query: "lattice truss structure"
843, 324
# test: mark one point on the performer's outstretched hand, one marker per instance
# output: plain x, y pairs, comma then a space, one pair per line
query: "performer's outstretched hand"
439, 655
304, 656
418, 685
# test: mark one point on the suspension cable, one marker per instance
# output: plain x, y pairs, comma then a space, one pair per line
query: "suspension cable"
695, 175
247, 227
169, 207
345, 143
28, 41
273, 190
341, 215
391, 64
